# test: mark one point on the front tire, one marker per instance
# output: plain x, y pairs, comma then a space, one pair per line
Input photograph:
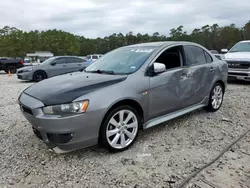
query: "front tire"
120, 129
39, 76
216, 98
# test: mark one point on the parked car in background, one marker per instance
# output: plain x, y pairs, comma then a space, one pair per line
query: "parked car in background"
83, 57
216, 54
10, 64
238, 59
128, 89
92, 58
37, 57
53, 66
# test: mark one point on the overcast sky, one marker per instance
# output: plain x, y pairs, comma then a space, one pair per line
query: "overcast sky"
99, 18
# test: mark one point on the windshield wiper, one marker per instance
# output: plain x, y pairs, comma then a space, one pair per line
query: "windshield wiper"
101, 71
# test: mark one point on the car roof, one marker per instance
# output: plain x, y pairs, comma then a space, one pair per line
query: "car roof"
160, 44
64, 56
243, 41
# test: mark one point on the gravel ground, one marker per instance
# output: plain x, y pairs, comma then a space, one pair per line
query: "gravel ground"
233, 167
163, 156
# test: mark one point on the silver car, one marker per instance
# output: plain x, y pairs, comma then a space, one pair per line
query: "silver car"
129, 89
53, 66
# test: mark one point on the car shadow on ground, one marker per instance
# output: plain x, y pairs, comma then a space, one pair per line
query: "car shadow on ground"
238, 82
26, 81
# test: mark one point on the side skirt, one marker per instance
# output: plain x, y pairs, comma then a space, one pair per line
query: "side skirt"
167, 117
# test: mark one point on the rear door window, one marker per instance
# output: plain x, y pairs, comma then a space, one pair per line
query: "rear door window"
60, 60
74, 60
194, 55
209, 59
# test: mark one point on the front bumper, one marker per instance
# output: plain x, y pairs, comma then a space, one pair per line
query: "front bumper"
239, 74
62, 134
25, 76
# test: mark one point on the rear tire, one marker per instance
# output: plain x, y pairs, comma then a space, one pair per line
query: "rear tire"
216, 97
39, 76
118, 134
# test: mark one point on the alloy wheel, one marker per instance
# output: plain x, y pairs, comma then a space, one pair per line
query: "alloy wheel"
39, 76
122, 129
217, 97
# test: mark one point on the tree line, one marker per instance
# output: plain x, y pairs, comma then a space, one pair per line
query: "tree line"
16, 43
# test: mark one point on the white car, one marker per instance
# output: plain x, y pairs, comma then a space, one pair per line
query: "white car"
93, 57
238, 59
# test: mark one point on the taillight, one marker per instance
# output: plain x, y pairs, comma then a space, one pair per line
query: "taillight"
22, 61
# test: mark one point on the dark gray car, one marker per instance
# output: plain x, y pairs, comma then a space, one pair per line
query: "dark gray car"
129, 89
53, 66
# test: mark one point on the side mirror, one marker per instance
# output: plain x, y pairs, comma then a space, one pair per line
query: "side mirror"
224, 50
53, 63
159, 67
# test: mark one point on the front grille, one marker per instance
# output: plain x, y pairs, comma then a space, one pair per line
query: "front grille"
238, 74
26, 109
239, 64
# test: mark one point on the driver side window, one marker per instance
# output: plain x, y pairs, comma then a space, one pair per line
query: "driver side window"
171, 57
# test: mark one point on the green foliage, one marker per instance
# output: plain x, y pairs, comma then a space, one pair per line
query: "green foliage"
16, 43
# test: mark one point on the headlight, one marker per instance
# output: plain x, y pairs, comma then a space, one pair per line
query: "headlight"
64, 109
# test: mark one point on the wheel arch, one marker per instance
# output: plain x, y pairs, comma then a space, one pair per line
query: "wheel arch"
222, 83
128, 102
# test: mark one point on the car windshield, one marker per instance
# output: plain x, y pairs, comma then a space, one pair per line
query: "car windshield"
241, 47
47, 61
122, 60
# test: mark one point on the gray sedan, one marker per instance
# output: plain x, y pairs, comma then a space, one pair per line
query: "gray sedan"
129, 89
53, 66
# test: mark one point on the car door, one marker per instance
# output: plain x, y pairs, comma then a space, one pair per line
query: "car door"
199, 62
75, 64
168, 90
56, 67
81, 63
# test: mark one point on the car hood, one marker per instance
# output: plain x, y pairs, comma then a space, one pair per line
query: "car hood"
238, 56
65, 88
33, 67
25, 68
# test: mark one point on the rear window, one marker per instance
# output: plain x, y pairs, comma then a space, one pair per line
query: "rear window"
94, 57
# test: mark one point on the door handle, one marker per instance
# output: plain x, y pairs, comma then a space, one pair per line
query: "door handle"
79, 64
183, 76
64, 65
186, 75
211, 69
